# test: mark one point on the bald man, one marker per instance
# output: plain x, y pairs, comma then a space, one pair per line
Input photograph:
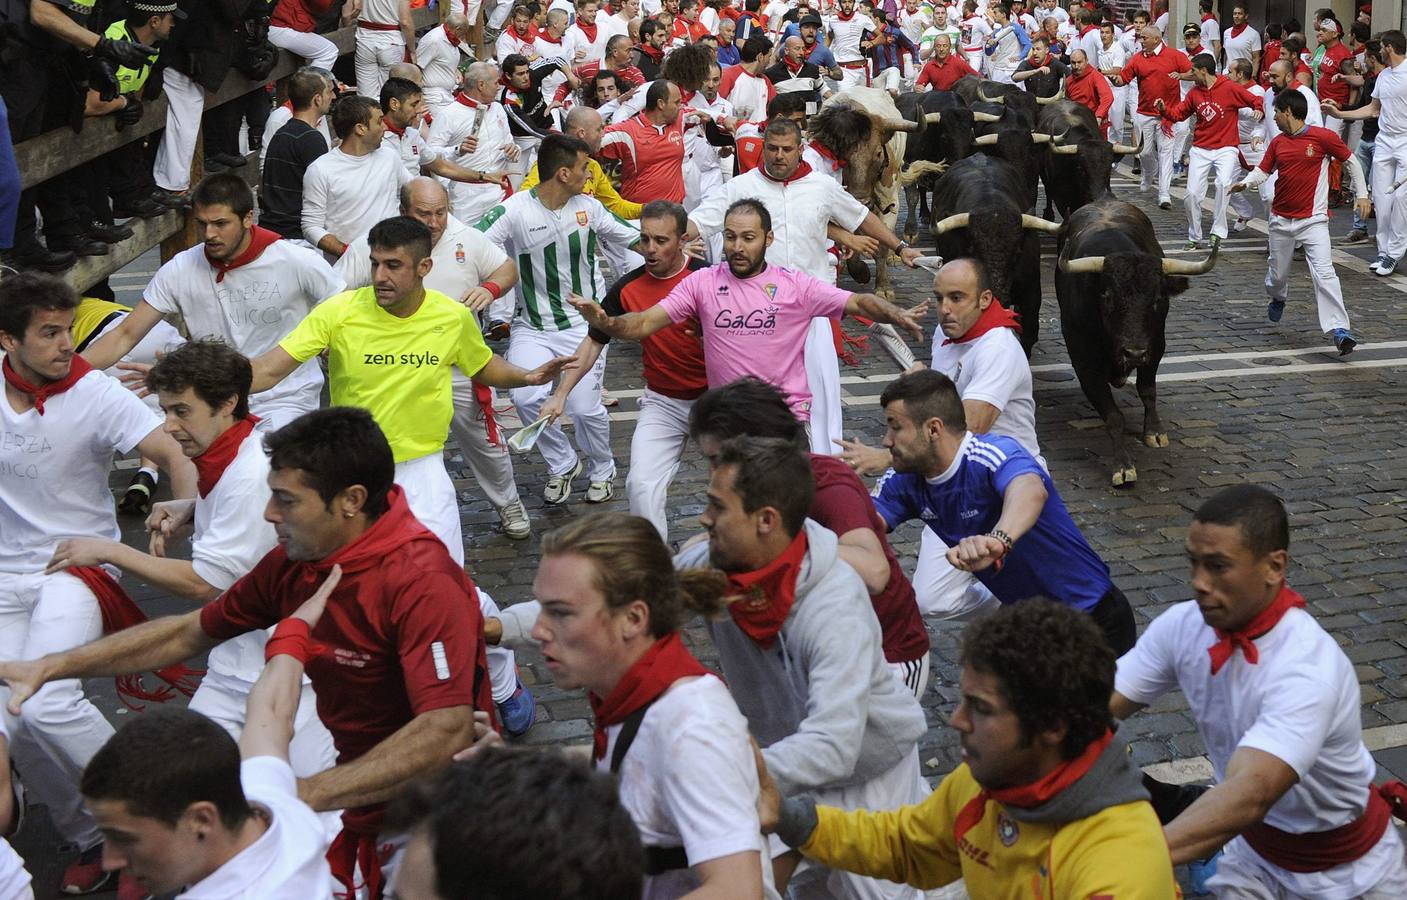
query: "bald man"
439, 54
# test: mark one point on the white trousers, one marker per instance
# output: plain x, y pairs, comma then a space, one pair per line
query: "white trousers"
431, 497
943, 591
499, 14
58, 730
856, 77
314, 48
225, 700
530, 348
1240, 202
656, 447
1118, 112
1224, 163
913, 675
1159, 152
823, 379
503, 665
1389, 168
377, 52
891, 79
186, 103
277, 412
1313, 236
487, 458
1242, 874
1002, 74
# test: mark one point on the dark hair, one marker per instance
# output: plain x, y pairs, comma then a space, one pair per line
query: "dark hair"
658, 93
24, 292
648, 27
400, 90
304, 85
336, 448
1273, 31
512, 62
771, 472
1204, 61
1361, 31
1205, 5
352, 110
688, 67
1256, 511
979, 269
1394, 40
161, 762
557, 152
1292, 102
755, 46
543, 827
927, 395
1293, 46
748, 406
401, 232
665, 209
786, 104
749, 204
210, 367
781, 127
224, 189
615, 41
1241, 67
1005, 10
1053, 664
590, 92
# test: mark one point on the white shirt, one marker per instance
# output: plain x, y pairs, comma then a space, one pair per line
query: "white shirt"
279, 118
748, 94
1041, 14
288, 860
1113, 58
845, 36
1312, 117
914, 24
974, 33
1211, 31
1091, 43
575, 39
704, 154
1299, 703
800, 212
487, 122
54, 468
461, 259
508, 43
385, 12
993, 369
1162, 24
689, 780
252, 308
1246, 122
344, 195
1129, 41
439, 63
230, 537
411, 148
773, 14
1391, 93
552, 50
1239, 46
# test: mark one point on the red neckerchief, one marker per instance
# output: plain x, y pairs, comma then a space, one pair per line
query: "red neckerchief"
667, 661
211, 463
1029, 796
765, 596
1195, 50
994, 316
846, 18
689, 100
398, 132
470, 102
1207, 17
524, 36
801, 172
588, 30
824, 152
1237, 29
77, 368
656, 54
1044, 62
450, 36
1087, 29
1244, 638
259, 240
793, 67
549, 38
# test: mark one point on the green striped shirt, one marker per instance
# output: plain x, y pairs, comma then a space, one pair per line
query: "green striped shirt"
555, 251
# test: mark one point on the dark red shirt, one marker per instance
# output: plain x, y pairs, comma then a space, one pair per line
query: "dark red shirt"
1327, 85
843, 504
945, 74
1155, 77
673, 358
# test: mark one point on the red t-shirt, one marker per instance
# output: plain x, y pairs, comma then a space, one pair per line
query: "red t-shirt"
945, 74
299, 15
1155, 77
1302, 161
673, 357
1090, 90
1268, 55
1331, 64
652, 158
402, 634
842, 504
1215, 108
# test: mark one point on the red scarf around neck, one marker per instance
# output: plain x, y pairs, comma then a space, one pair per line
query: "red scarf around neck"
793, 66
802, 170
392, 128
765, 596
588, 30
451, 36
667, 661
1237, 29
470, 102
824, 152
76, 370
524, 36
1028, 796
211, 464
1208, 17
548, 38
1244, 638
994, 316
656, 54
259, 240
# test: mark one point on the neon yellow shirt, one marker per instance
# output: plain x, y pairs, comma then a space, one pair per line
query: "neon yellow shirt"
1119, 852
90, 315
598, 185
399, 370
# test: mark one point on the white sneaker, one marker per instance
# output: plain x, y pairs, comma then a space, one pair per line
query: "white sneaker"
515, 521
1239, 225
559, 487
601, 491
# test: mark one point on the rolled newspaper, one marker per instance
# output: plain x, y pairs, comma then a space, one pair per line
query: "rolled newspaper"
892, 344
524, 439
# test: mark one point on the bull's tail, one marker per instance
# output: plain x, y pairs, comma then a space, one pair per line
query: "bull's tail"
921, 169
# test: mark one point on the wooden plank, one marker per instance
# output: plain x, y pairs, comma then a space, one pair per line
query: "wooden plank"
89, 270
56, 152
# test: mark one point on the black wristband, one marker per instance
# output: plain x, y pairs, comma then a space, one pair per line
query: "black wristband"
796, 820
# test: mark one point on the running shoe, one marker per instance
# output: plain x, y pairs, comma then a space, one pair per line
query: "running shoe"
1356, 236
518, 712
1240, 224
559, 487
85, 875
1275, 310
601, 491
515, 521
1344, 340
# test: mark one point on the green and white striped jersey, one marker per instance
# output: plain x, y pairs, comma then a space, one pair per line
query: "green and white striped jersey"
555, 251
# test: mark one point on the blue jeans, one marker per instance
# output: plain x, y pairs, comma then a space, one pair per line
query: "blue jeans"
9, 183
1364, 154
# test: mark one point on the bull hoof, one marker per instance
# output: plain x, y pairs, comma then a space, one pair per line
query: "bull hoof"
1125, 477
1156, 439
886, 294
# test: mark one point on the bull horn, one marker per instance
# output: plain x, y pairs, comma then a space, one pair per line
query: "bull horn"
957, 220
978, 116
1065, 149
1059, 95
900, 125
1036, 223
1084, 265
933, 118
1184, 267
920, 169
986, 140
985, 99
1126, 150
1041, 139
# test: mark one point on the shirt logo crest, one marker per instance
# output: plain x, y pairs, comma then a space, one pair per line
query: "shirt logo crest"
1007, 830
771, 290
459, 253
581, 217
1309, 150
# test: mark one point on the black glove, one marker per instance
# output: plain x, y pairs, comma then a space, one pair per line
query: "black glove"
102, 77
125, 53
131, 113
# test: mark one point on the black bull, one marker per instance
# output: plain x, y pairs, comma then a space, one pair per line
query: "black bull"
1114, 285
1078, 159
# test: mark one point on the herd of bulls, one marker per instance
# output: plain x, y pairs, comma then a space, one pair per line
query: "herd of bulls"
970, 161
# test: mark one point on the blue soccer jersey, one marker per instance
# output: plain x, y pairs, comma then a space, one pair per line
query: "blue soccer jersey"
1051, 560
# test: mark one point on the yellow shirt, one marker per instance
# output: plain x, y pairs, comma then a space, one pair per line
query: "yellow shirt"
598, 185
399, 370
90, 316
1119, 853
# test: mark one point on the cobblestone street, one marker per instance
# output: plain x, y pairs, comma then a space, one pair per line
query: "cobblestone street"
1242, 400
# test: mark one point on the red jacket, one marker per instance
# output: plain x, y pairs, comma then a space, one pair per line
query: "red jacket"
652, 158
1092, 90
1215, 108
945, 74
1155, 77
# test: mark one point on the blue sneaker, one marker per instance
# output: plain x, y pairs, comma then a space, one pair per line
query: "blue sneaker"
1343, 339
518, 712
1275, 310
1200, 871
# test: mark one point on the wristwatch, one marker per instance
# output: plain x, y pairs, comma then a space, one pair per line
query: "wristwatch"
903, 245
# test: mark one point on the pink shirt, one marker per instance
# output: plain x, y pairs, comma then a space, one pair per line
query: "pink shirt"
756, 326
